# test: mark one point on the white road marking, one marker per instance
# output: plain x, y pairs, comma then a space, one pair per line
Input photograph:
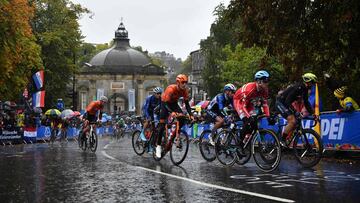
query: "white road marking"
279, 199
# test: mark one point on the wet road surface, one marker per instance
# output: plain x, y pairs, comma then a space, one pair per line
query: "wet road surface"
63, 173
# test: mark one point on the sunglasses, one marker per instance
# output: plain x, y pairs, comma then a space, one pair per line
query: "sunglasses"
184, 82
263, 81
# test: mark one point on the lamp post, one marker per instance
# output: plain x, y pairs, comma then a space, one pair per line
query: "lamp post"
74, 104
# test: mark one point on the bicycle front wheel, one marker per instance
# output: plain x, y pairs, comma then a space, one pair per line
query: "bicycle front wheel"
137, 144
308, 148
207, 150
226, 148
93, 141
179, 148
266, 150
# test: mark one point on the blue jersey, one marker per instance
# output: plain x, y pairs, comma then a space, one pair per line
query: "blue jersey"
151, 103
219, 102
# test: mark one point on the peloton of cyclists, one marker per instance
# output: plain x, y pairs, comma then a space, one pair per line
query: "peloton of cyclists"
216, 110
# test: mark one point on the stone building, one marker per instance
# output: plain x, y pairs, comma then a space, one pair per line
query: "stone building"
197, 83
123, 74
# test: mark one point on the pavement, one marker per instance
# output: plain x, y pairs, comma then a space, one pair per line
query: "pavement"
63, 173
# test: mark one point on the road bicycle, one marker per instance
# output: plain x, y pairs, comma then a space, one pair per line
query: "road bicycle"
176, 141
90, 140
262, 144
139, 145
305, 143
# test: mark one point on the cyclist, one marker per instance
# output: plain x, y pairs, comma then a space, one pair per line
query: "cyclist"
246, 97
347, 103
217, 108
169, 104
151, 103
90, 114
285, 99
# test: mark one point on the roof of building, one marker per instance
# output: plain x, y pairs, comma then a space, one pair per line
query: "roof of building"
122, 59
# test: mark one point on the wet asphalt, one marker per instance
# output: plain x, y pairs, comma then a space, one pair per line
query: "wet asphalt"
63, 173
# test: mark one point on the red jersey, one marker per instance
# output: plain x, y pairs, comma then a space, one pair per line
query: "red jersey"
172, 94
93, 107
244, 96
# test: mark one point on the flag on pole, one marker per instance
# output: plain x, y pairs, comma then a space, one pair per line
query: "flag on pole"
317, 109
38, 99
38, 78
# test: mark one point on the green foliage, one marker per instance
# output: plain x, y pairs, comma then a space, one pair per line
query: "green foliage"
297, 36
19, 53
57, 31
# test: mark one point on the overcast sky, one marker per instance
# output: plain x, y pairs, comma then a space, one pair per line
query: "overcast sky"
174, 26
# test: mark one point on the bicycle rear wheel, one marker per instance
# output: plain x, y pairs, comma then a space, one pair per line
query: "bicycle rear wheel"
137, 144
308, 148
266, 150
207, 150
93, 141
226, 147
53, 136
179, 148
84, 141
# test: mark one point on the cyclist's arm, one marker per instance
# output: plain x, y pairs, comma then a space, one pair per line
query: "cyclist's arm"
220, 101
307, 103
266, 108
188, 108
244, 108
146, 108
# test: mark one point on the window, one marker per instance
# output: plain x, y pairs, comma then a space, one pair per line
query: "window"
83, 100
117, 85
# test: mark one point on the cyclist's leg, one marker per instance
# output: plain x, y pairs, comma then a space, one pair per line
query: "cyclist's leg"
145, 126
163, 116
288, 114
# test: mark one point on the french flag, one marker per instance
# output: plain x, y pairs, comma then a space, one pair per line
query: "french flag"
38, 78
38, 99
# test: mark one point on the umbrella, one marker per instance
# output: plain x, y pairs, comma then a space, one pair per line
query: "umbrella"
76, 113
53, 112
67, 113
203, 104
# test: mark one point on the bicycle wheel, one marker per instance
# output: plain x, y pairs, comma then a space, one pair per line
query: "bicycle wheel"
308, 148
266, 150
243, 159
207, 150
225, 148
179, 148
79, 139
53, 136
137, 144
84, 142
93, 139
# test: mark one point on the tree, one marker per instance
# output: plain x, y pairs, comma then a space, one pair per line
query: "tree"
19, 53
305, 35
57, 31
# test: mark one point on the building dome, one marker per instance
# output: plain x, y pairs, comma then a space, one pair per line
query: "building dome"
120, 55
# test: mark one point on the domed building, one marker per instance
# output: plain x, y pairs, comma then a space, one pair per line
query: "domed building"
123, 74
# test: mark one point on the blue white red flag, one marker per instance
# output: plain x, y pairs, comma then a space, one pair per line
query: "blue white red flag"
38, 78
38, 99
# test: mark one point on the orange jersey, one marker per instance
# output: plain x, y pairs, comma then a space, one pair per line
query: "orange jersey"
172, 94
93, 107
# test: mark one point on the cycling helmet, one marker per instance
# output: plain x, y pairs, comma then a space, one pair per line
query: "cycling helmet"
260, 75
340, 92
157, 90
103, 99
309, 77
230, 87
181, 78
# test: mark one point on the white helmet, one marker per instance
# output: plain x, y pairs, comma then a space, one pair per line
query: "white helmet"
104, 99
230, 87
157, 90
